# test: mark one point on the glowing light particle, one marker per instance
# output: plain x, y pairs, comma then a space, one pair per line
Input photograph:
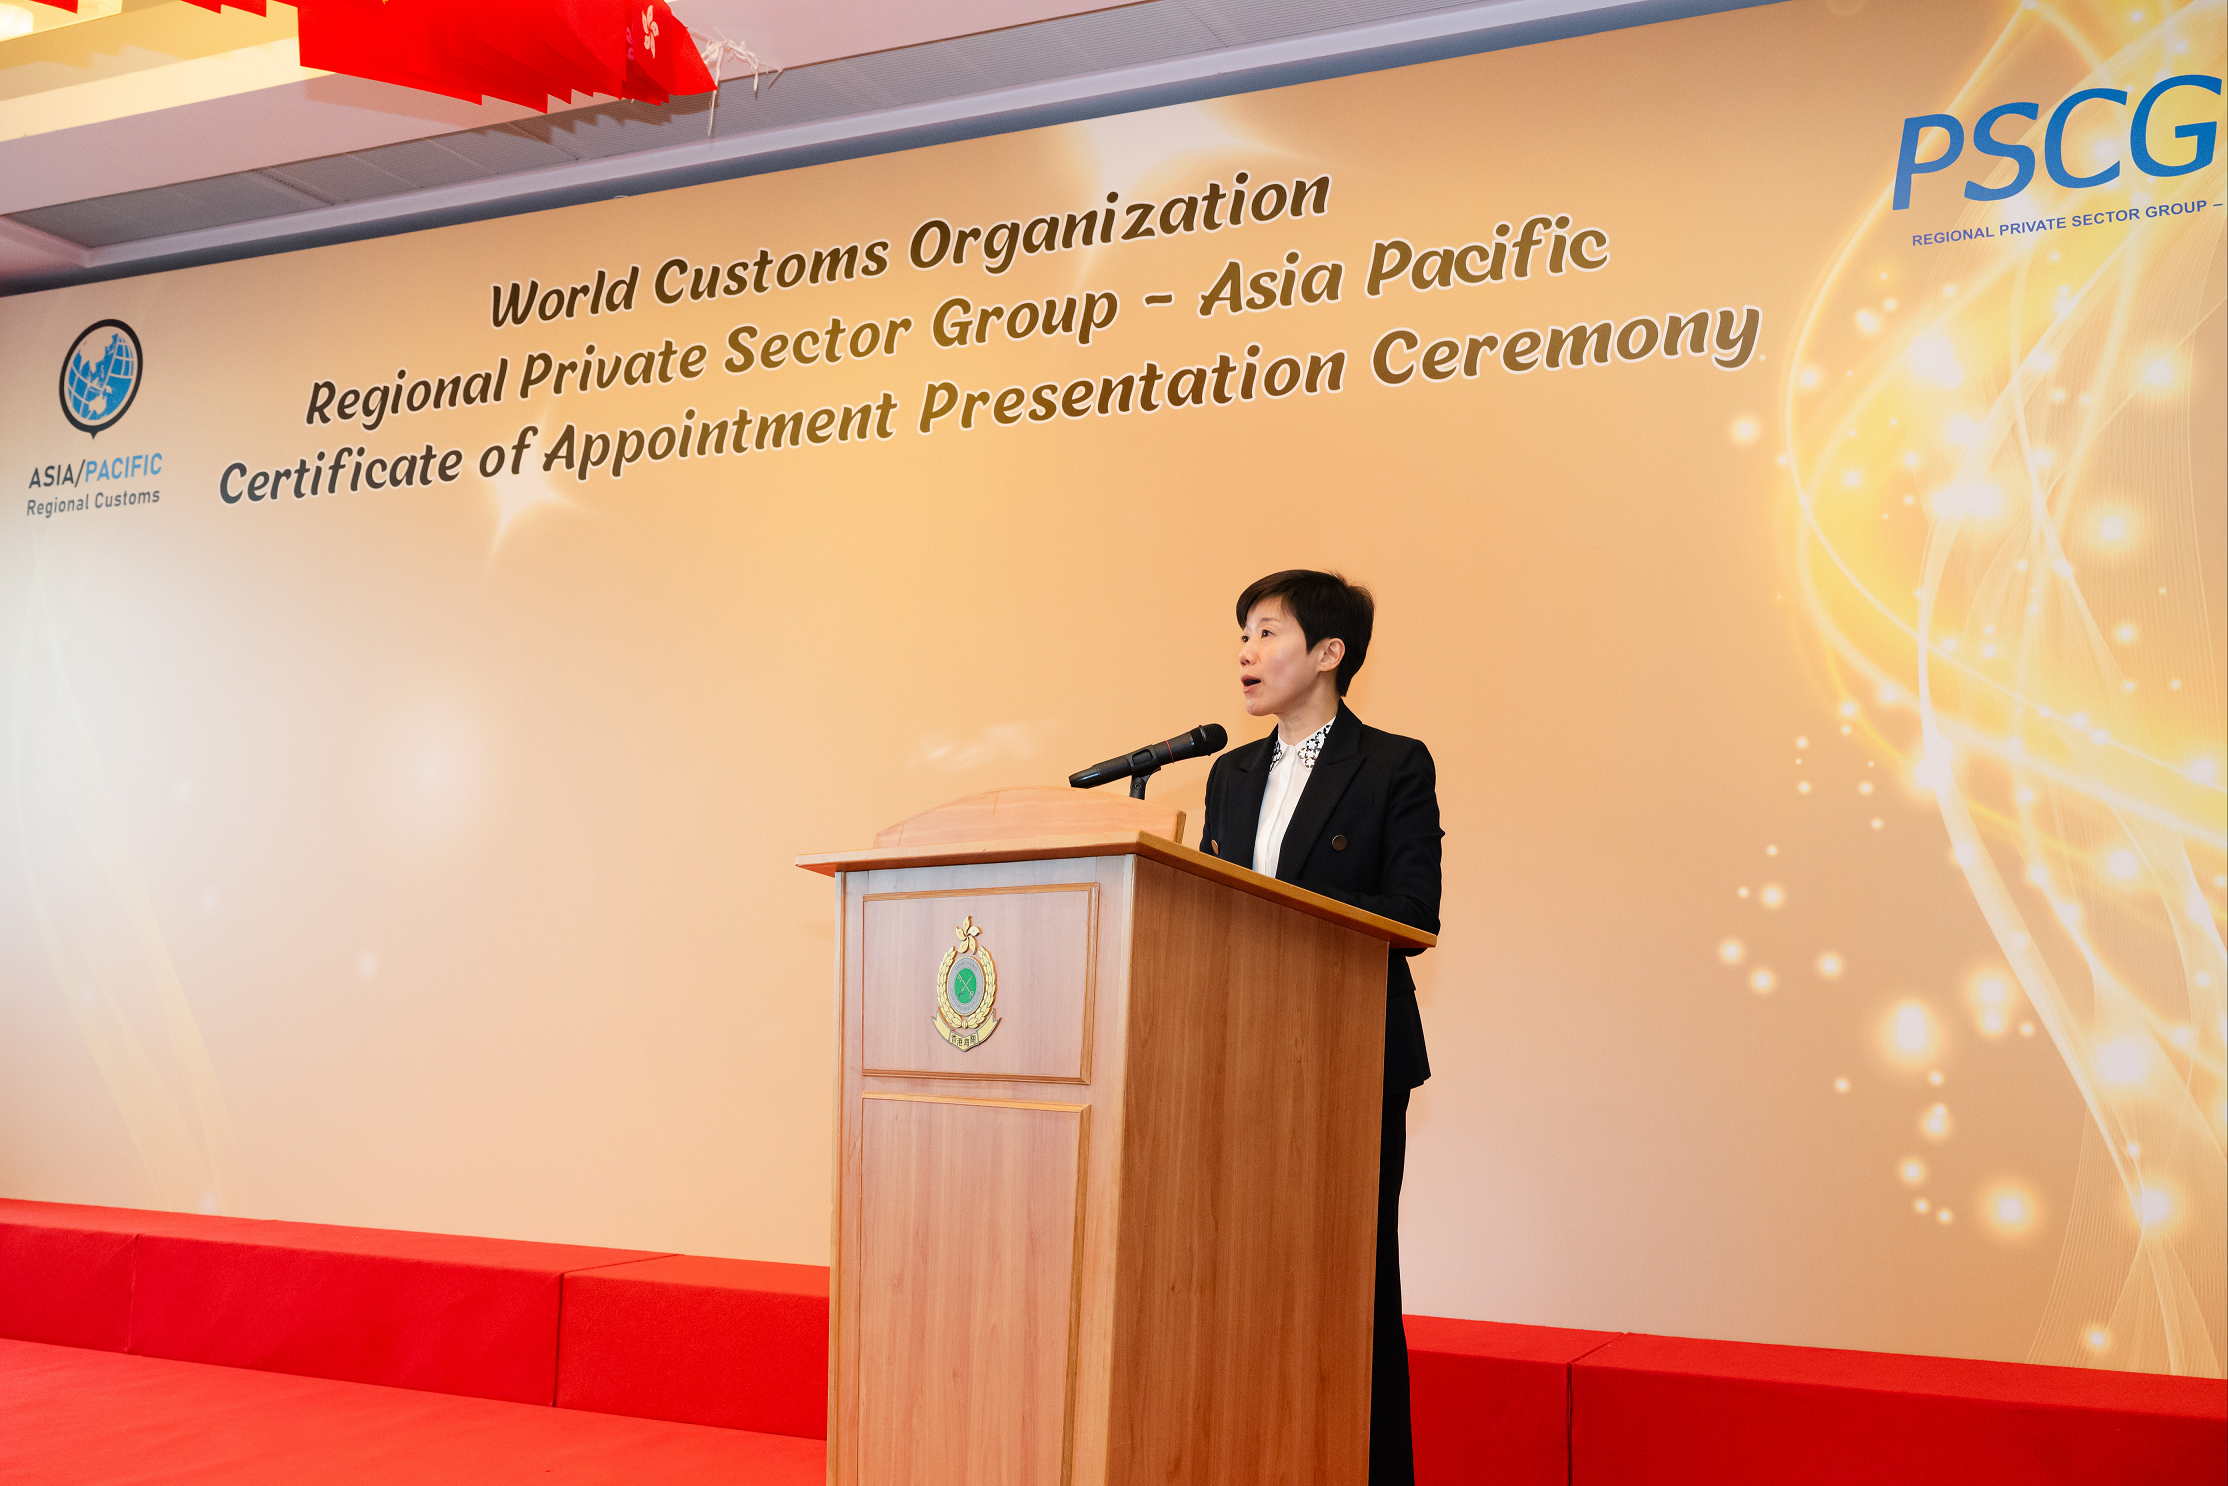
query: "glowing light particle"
1762, 981
2125, 632
2123, 864
1864, 787
1934, 1077
1851, 479
2124, 1060
1731, 951
1933, 771
2111, 528
2153, 1207
2203, 770
1994, 997
1746, 429
1943, 1216
1973, 501
1912, 1170
1772, 895
1922, 1206
1911, 1034
1879, 824
1935, 1124
1831, 966
1841, 1086
2026, 1029
1802, 786
2095, 1338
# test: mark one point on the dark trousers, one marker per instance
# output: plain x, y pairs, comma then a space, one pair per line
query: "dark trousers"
1392, 1451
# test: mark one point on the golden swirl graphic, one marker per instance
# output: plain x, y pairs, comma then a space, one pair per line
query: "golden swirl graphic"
2003, 499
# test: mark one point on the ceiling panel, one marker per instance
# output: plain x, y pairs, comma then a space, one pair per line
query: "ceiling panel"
504, 149
160, 211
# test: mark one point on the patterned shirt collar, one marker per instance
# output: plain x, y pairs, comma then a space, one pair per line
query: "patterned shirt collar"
1310, 747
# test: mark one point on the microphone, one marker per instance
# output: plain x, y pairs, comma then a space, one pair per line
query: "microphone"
1208, 737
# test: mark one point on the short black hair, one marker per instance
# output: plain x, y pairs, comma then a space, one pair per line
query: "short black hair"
1327, 608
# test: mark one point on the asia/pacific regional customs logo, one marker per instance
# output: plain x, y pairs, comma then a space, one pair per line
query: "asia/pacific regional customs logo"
100, 375
966, 990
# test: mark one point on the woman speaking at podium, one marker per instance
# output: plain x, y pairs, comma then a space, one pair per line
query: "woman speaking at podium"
1330, 804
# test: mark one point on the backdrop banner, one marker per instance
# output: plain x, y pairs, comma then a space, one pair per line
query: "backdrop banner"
1790, 452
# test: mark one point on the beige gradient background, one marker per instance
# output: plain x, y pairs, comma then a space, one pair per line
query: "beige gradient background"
422, 859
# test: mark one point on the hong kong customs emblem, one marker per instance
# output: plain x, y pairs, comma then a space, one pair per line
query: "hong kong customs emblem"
967, 990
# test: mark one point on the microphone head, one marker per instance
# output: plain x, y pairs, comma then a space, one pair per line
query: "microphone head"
1213, 737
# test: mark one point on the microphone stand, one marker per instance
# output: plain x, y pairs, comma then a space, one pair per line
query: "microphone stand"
1137, 782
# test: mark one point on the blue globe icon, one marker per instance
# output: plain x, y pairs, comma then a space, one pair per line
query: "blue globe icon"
100, 375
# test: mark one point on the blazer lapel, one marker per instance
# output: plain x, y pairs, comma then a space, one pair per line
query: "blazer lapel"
1335, 768
1244, 823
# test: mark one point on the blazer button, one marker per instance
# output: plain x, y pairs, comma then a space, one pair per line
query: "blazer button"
1338, 843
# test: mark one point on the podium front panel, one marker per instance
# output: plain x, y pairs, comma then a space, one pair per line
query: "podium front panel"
970, 1223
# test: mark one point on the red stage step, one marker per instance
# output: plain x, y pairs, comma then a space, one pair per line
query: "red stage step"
363, 1305
1492, 1402
1658, 1410
71, 1416
695, 1342
701, 1341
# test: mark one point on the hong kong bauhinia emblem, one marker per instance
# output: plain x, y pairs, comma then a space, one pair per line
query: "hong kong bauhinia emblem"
966, 990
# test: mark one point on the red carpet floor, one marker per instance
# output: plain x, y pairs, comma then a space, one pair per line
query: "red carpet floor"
75, 1417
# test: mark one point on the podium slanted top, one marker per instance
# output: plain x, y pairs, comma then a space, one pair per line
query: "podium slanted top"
1037, 824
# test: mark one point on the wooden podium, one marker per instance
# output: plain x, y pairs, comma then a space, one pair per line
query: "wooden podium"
1106, 1168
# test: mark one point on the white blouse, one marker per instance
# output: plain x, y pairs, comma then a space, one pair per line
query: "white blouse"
1289, 768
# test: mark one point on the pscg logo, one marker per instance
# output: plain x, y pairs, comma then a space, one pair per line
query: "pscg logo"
2203, 137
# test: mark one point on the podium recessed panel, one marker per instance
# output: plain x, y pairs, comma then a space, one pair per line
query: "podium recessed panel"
968, 1249
990, 983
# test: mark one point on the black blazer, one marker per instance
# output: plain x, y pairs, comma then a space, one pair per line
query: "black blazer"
1366, 832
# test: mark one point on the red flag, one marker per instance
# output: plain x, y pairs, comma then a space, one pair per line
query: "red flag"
525, 51
661, 48
365, 38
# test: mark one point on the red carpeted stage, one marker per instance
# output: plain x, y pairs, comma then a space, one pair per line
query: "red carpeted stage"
169, 1347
